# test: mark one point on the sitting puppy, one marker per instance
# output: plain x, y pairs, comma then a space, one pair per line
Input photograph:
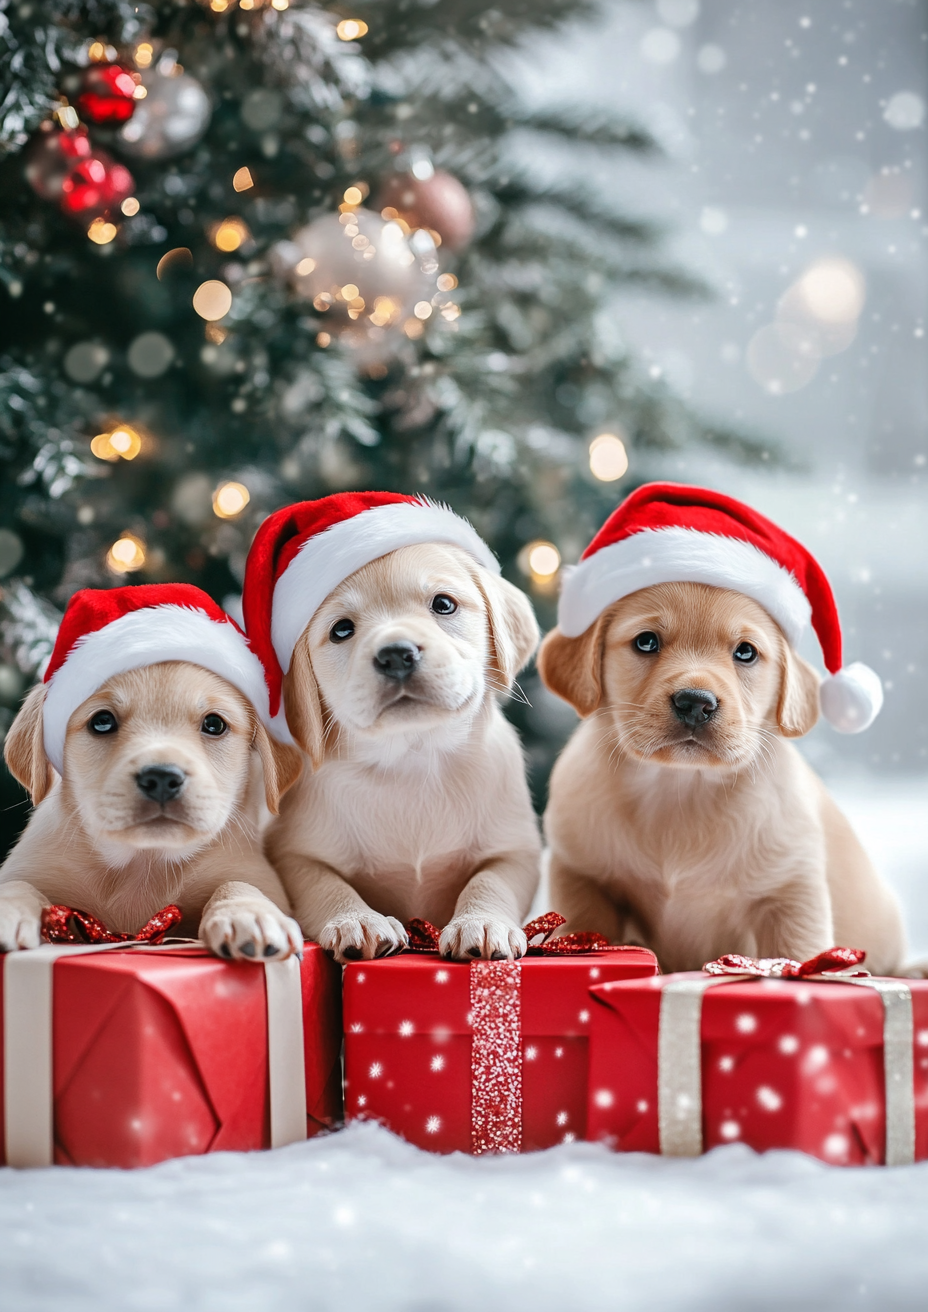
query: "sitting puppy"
679, 817
148, 716
384, 625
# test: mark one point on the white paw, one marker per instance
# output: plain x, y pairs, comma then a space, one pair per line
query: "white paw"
363, 936
20, 924
251, 931
467, 937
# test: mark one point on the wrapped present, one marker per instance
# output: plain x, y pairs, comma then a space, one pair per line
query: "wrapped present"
128, 1054
817, 1056
482, 1056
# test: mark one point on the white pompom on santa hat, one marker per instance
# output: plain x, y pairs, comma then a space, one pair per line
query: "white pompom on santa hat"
669, 533
105, 632
303, 552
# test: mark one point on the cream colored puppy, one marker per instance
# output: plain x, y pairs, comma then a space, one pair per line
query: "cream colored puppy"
416, 803
680, 816
159, 802
149, 767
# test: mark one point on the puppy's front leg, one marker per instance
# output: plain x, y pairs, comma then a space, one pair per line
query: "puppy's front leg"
241, 922
797, 923
585, 903
489, 912
334, 915
21, 907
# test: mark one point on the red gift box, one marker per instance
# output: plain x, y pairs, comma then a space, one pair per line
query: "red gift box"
774, 1063
476, 1057
164, 1053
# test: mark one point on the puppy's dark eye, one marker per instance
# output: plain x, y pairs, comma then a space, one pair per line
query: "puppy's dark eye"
745, 653
341, 631
648, 643
443, 604
103, 722
214, 726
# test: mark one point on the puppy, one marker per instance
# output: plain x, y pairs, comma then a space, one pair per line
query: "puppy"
164, 772
679, 815
416, 803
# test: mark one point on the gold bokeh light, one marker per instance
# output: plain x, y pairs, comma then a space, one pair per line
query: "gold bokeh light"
230, 499
608, 457
212, 300
349, 29
126, 555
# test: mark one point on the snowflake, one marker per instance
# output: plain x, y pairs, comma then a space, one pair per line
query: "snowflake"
433, 1125
604, 1097
376, 1070
726, 1064
730, 1129
788, 1044
437, 1063
584, 1017
441, 977
816, 1058
769, 1099
361, 976
836, 1146
407, 1028
569, 1137
562, 1118
746, 1023
361, 1101
558, 1052
531, 1052
594, 972
356, 1028
641, 1105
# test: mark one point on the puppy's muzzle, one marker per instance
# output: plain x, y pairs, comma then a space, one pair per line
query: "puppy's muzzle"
694, 706
398, 660
161, 783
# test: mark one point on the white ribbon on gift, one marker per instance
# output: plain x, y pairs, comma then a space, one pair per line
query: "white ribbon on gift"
28, 995
679, 1064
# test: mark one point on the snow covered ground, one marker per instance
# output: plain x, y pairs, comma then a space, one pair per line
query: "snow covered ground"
360, 1221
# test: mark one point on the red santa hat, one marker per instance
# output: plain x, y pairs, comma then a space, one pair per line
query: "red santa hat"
302, 553
109, 631
668, 533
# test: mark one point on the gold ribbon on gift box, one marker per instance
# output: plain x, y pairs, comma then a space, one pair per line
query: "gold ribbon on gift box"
28, 996
679, 1080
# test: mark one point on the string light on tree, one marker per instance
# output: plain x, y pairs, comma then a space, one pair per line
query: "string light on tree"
121, 442
608, 457
242, 179
212, 300
350, 29
230, 499
541, 561
101, 233
126, 555
230, 234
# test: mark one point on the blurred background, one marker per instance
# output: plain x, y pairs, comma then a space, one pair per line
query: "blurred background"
522, 258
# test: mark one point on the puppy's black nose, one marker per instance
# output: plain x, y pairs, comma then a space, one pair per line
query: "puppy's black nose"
161, 783
397, 660
694, 706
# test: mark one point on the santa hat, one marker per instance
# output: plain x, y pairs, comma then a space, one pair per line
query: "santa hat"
109, 631
302, 553
668, 533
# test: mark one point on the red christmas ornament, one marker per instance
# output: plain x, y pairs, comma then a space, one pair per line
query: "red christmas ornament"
96, 186
107, 95
439, 202
50, 157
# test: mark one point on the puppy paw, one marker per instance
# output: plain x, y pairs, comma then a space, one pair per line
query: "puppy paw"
20, 925
363, 936
468, 937
254, 931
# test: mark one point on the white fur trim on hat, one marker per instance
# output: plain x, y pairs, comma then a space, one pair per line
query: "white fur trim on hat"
680, 555
327, 559
147, 637
852, 698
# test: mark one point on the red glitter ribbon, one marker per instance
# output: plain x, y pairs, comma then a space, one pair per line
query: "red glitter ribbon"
424, 937
832, 961
66, 925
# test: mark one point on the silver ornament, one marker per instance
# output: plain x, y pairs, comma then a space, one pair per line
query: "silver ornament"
362, 274
173, 116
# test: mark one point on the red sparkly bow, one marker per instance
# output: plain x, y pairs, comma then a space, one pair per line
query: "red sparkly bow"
66, 925
424, 937
833, 961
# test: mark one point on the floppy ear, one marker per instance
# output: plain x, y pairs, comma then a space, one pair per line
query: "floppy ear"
798, 705
303, 704
282, 764
24, 749
572, 667
514, 631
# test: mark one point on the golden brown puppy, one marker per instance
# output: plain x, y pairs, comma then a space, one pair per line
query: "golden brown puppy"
144, 752
159, 802
679, 815
416, 803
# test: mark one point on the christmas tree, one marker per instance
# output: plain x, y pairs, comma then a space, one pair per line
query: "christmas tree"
254, 251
